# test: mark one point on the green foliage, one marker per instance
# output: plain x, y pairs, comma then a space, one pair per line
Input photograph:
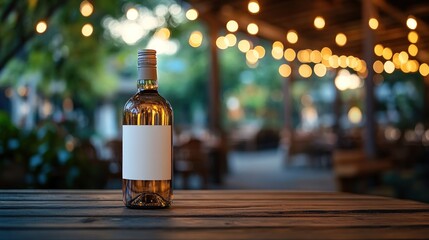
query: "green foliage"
40, 158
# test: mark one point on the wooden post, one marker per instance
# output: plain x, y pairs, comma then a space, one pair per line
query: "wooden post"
214, 82
368, 46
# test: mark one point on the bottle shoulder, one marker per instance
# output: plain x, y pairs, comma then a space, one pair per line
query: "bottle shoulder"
147, 100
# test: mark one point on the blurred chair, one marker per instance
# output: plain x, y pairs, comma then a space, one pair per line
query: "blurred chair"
354, 172
115, 147
190, 159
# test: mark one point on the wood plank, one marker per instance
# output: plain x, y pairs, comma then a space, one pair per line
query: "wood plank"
124, 222
71, 195
244, 233
212, 203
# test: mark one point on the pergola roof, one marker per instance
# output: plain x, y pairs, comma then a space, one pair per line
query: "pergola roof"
276, 17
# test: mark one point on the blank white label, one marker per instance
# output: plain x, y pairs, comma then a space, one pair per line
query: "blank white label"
146, 152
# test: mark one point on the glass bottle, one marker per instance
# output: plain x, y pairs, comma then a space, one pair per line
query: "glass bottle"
147, 141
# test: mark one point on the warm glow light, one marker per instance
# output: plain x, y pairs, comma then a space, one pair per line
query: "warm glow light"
320, 70
163, 33
387, 53
396, 61
196, 39
232, 26
378, 66
411, 23
292, 36
244, 46
191, 14
86, 8
378, 50
342, 61
315, 56
304, 55
342, 80
341, 39
252, 28
285, 70
253, 7
403, 57
373, 23
132, 14
326, 53
319, 22
41, 27
413, 37
305, 70
389, 67
222, 42
252, 56
333, 61
412, 66
261, 51
232, 40
413, 50
355, 115
289, 54
424, 69
278, 44
87, 30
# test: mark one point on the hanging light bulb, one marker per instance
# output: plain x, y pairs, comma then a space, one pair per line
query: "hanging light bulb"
253, 6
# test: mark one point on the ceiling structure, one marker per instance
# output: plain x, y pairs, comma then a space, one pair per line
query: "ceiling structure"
277, 17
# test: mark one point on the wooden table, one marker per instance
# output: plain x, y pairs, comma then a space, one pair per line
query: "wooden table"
100, 214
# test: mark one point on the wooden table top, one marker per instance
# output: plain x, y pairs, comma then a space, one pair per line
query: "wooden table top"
211, 214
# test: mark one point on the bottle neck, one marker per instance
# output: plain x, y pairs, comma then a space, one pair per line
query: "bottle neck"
147, 84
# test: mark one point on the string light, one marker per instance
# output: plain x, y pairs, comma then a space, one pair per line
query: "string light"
413, 50
86, 8
222, 42
132, 14
389, 67
320, 70
252, 56
378, 66
413, 37
373, 23
285, 70
403, 57
411, 23
289, 54
341, 39
195, 39
424, 69
378, 50
232, 26
354, 115
292, 36
41, 27
261, 51
87, 30
305, 71
191, 14
253, 6
252, 28
319, 22
387, 53
244, 45
232, 39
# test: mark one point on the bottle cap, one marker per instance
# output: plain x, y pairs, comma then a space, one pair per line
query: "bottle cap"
146, 64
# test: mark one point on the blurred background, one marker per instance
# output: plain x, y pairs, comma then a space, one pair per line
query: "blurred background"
325, 95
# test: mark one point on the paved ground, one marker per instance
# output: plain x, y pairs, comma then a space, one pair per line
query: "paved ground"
266, 170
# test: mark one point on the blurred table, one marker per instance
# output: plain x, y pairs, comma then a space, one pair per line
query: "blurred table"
100, 214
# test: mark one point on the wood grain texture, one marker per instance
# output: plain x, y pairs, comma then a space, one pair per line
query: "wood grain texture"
100, 214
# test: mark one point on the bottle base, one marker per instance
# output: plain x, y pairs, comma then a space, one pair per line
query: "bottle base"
148, 200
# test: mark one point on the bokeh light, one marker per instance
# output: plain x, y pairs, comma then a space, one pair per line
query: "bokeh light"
41, 27
87, 30
341, 39
319, 22
292, 36
232, 26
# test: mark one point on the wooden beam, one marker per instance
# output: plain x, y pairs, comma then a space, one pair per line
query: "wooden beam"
368, 45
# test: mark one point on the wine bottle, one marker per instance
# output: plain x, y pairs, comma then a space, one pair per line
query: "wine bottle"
147, 141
